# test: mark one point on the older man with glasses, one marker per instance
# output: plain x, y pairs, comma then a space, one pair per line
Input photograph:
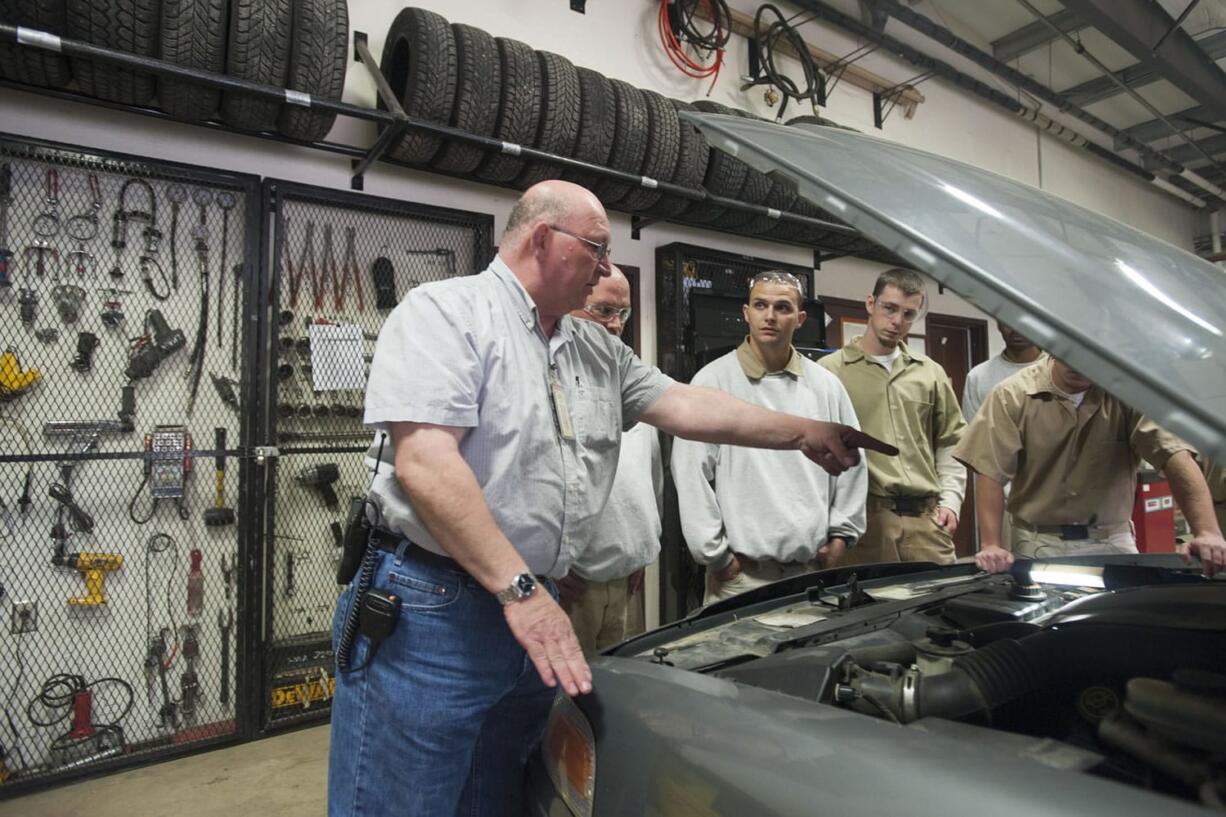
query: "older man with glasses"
906, 398
606, 578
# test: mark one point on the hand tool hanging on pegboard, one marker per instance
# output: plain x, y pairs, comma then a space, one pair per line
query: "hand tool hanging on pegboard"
151, 237
47, 223
226, 201
225, 623
219, 515
306, 266
227, 391
350, 272
189, 680
176, 194
327, 272
195, 584
162, 644
238, 311
83, 227
112, 308
168, 463
42, 249
200, 234
6, 198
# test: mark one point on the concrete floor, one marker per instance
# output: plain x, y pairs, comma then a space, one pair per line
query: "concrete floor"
284, 776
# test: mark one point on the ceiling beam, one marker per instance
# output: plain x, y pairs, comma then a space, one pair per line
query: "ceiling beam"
1154, 129
1029, 37
1136, 25
1185, 154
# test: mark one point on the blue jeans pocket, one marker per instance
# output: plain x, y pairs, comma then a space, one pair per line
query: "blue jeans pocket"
432, 591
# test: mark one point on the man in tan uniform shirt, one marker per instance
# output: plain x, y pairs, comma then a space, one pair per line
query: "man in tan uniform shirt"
1215, 475
1070, 452
906, 399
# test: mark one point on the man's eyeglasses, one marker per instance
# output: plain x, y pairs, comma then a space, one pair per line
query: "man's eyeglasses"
605, 313
892, 310
599, 248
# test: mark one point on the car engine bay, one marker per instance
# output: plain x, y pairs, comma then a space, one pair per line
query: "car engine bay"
1118, 672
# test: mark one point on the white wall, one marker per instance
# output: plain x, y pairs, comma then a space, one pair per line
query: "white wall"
619, 39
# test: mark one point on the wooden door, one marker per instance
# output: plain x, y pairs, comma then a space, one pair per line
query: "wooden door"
958, 344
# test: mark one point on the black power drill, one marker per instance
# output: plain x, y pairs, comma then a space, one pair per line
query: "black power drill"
321, 478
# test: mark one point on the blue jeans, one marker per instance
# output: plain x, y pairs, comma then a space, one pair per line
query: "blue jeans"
443, 720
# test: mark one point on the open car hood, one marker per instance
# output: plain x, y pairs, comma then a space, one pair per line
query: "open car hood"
1141, 317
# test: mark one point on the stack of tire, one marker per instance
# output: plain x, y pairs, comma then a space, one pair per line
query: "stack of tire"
301, 45
461, 76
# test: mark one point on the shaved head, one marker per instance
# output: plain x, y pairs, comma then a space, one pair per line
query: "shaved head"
556, 243
549, 202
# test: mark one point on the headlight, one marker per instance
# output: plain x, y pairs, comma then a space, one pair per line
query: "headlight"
569, 751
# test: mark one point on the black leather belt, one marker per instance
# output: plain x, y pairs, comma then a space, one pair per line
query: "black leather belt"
904, 505
389, 541
1069, 533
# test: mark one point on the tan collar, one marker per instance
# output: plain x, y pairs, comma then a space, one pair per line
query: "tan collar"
1041, 383
852, 352
755, 368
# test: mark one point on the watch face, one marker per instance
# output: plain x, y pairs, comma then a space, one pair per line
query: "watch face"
526, 583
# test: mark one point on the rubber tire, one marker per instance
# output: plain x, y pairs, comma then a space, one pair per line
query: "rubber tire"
519, 108
754, 190
419, 63
818, 120
663, 145
692, 156
558, 130
34, 66
597, 125
478, 81
192, 33
319, 54
782, 196
257, 50
725, 173
629, 140
125, 25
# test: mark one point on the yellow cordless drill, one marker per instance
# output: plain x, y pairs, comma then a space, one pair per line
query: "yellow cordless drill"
94, 567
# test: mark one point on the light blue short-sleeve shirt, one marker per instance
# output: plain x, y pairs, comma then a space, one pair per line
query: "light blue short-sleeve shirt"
470, 352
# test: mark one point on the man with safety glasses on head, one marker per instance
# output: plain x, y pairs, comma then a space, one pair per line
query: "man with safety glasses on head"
606, 579
906, 399
754, 516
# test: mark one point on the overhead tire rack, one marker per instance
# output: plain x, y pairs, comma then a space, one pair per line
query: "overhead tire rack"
394, 122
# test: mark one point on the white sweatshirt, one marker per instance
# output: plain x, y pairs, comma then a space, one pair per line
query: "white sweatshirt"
628, 534
768, 504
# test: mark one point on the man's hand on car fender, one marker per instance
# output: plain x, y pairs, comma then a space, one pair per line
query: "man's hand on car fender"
1210, 549
993, 559
833, 445
544, 631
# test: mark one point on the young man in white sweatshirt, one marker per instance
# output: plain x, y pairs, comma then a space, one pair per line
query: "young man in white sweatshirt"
754, 517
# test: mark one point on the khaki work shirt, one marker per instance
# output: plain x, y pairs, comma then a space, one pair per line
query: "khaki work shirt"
1068, 464
913, 406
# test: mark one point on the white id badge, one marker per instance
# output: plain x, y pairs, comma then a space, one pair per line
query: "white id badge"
561, 410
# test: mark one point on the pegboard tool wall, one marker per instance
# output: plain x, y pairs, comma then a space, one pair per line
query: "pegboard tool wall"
346, 259
112, 640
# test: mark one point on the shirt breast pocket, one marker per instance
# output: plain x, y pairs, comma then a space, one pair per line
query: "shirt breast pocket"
598, 422
918, 415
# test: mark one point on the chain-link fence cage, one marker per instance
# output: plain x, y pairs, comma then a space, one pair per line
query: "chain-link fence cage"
342, 261
123, 364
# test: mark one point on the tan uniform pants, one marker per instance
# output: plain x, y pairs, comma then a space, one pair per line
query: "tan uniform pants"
891, 537
754, 573
600, 615
1029, 544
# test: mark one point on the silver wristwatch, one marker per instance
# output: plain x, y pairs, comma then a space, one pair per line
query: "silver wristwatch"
522, 587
